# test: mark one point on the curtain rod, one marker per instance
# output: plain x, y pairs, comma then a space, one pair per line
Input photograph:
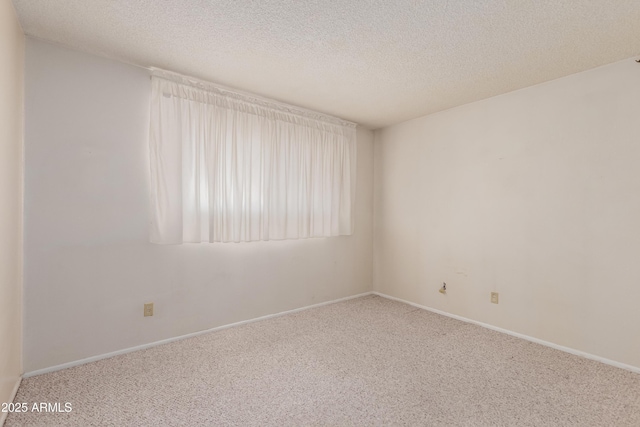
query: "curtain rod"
250, 97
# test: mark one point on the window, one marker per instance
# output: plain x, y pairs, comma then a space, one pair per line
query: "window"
230, 167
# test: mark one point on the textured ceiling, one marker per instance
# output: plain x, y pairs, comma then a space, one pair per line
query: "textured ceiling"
375, 62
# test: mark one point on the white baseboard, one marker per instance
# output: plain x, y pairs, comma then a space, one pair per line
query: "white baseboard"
518, 335
3, 415
181, 337
269, 316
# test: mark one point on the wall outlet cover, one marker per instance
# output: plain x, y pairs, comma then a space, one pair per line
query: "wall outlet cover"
494, 297
148, 309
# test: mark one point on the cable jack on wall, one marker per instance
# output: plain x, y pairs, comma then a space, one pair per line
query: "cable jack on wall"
443, 289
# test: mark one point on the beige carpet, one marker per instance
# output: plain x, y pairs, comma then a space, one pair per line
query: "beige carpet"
367, 361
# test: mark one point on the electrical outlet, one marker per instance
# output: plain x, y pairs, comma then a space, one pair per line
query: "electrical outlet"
494, 297
148, 309
443, 289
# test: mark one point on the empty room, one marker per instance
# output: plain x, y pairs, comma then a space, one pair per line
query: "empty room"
319, 213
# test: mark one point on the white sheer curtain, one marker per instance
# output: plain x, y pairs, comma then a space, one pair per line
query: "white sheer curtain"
231, 167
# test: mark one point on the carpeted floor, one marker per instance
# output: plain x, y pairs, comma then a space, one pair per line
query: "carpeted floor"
366, 361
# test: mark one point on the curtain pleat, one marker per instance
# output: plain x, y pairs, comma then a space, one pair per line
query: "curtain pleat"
229, 167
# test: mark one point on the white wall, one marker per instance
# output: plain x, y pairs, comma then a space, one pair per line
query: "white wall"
11, 126
89, 266
534, 194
